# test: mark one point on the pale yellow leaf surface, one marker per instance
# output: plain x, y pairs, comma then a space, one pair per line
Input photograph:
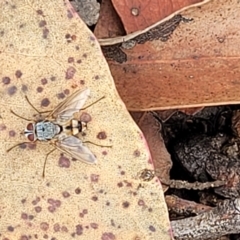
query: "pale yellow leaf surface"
47, 53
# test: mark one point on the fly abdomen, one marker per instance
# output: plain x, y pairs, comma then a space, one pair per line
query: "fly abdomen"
75, 126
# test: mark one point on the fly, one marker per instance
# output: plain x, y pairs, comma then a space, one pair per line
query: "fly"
60, 128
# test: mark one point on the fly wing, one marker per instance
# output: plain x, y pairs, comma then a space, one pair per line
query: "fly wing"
74, 147
65, 110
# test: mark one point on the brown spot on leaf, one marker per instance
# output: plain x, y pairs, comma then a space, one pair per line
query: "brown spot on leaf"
39, 89
40, 12
51, 209
84, 55
92, 38
94, 177
45, 102
64, 229
82, 82
66, 91
85, 117
79, 61
70, 60
108, 236
74, 37
77, 190
56, 227
66, 194
2, 127
152, 228
79, 229
102, 135
64, 162
42, 23
94, 198
30, 217
136, 153
112, 223
45, 33
18, 74
70, 73
38, 209
120, 184
53, 78
6, 80
60, 95
94, 225
141, 202
36, 201
96, 77
12, 133
44, 226
44, 81
12, 90
122, 172
55, 203
24, 216
24, 88
24, 237
125, 204
104, 153
10, 228
67, 36
69, 14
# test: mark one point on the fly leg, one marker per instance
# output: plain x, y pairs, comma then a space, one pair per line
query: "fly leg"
109, 146
44, 166
19, 144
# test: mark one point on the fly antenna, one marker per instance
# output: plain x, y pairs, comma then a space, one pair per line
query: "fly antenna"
31, 105
20, 116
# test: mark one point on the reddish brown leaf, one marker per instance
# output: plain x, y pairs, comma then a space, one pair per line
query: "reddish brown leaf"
139, 14
160, 156
198, 66
109, 24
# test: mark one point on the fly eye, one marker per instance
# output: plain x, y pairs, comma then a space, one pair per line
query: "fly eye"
30, 127
31, 137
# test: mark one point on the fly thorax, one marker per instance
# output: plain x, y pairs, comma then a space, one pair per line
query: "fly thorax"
47, 130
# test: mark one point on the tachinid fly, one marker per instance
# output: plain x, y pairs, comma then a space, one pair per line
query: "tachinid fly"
61, 128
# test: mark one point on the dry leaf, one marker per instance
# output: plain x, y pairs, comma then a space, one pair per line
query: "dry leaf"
161, 158
139, 14
47, 53
197, 66
109, 25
